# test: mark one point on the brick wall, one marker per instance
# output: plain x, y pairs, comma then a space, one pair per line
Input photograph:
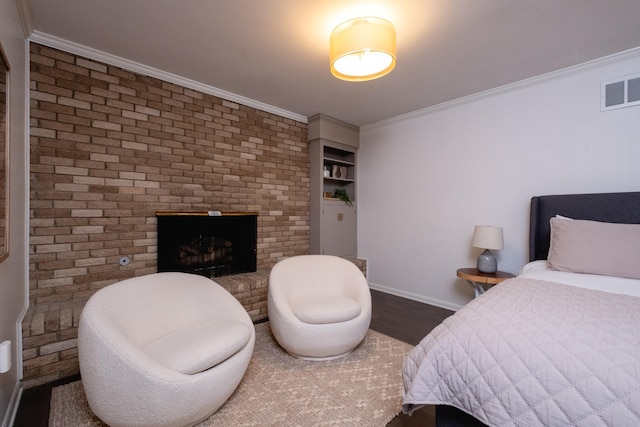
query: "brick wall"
109, 148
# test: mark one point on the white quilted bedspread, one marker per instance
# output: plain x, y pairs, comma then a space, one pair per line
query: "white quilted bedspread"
533, 353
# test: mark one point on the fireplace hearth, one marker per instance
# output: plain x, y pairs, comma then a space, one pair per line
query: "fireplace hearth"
211, 244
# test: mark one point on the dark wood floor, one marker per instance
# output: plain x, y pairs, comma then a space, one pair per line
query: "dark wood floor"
397, 317
408, 321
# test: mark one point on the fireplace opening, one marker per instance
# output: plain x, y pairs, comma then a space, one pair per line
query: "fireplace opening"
211, 244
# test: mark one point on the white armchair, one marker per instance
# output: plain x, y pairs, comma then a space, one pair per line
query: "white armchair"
166, 349
319, 306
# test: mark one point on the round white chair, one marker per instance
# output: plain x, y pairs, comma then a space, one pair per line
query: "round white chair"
319, 306
166, 349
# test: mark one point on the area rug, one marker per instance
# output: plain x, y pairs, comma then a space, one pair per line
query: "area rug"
361, 389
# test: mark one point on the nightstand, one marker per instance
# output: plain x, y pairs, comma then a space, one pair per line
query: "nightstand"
478, 280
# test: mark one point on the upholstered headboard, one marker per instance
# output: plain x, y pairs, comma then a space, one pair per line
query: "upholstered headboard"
606, 207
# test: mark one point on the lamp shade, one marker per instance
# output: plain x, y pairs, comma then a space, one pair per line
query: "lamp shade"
362, 49
487, 237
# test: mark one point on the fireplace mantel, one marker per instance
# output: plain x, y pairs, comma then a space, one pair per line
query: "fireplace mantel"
205, 213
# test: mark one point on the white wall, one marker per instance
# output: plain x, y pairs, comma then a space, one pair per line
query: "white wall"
425, 179
13, 270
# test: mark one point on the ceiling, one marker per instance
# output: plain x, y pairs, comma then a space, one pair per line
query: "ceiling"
276, 51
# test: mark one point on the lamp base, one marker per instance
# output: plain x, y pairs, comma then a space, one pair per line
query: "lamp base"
487, 262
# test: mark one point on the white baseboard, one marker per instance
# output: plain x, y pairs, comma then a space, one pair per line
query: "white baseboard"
415, 297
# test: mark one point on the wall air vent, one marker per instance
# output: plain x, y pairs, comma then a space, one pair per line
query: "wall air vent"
620, 93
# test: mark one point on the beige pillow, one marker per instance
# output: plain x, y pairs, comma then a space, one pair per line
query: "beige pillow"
329, 309
593, 247
200, 347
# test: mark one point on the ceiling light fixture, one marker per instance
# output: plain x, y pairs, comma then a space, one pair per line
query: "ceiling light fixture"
362, 49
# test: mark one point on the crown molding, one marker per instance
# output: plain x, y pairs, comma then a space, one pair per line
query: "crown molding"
26, 18
136, 67
610, 59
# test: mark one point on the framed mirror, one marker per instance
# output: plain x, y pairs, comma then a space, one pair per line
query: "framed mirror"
4, 155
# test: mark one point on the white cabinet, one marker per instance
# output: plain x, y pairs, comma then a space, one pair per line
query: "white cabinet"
333, 166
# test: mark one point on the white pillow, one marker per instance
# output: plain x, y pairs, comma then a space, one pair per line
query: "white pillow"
563, 217
329, 309
199, 347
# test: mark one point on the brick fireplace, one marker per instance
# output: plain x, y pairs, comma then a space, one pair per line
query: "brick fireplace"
211, 244
109, 149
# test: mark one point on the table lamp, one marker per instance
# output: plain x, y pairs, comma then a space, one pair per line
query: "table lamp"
487, 237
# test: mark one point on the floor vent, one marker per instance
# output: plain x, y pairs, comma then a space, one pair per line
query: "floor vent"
620, 93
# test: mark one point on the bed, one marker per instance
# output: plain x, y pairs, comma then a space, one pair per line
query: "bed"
557, 345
